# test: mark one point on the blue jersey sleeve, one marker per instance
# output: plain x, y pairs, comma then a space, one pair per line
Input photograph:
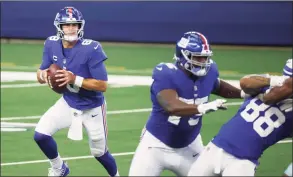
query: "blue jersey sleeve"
46, 61
162, 79
214, 69
96, 65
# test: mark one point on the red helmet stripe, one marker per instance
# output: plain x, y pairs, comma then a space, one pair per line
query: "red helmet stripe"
70, 12
205, 41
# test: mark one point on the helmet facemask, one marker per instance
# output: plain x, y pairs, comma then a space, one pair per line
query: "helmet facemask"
61, 34
194, 66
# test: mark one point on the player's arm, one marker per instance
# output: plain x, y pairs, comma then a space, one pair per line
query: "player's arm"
276, 94
226, 90
168, 99
93, 84
67, 77
253, 84
46, 62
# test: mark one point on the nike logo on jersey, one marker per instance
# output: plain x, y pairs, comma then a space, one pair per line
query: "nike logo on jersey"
159, 68
95, 115
194, 155
96, 47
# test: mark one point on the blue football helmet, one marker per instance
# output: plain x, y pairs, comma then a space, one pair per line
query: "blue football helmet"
287, 71
69, 15
188, 48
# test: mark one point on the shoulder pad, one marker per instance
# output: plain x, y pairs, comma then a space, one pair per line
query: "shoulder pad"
51, 39
90, 45
164, 70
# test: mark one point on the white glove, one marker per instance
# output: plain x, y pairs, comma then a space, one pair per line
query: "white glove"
286, 105
211, 106
277, 80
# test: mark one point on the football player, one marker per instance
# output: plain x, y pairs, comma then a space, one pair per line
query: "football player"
83, 104
180, 92
260, 122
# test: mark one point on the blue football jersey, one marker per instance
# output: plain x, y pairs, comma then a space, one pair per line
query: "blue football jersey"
85, 59
178, 132
255, 127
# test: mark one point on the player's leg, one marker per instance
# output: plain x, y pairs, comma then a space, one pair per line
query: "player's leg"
206, 162
96, 125
238, 167
57, 117
288, 171
147, 160
188, 156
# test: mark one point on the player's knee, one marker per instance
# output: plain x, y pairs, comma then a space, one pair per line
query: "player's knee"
97, 152
39, 136
98, 147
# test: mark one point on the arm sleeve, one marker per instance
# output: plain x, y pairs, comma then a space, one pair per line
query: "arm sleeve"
217, 81
162, 80
96, 64
46, 61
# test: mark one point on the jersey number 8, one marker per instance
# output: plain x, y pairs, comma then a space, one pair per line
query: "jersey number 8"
252, 114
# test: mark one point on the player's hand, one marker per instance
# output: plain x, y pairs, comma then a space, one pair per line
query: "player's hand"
286, 105
211, 106
65, 77
43, 75
277, 80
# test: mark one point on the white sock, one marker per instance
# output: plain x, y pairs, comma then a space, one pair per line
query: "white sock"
117, 174
57, 162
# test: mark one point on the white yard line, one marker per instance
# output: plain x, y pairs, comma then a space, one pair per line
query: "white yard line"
88, 157
65, 158
22, 85
108, 113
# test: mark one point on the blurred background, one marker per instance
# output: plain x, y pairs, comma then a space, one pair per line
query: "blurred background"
250, 23
246, 37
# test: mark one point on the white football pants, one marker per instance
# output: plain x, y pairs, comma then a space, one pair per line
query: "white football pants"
152, 157
214, 161
60, 116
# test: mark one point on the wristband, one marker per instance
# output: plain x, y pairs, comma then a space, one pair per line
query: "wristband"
242, 94
78, 81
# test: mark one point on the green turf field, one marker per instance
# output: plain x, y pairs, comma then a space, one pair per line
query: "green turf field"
124, 128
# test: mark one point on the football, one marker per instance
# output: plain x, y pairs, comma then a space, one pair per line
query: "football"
51, 72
